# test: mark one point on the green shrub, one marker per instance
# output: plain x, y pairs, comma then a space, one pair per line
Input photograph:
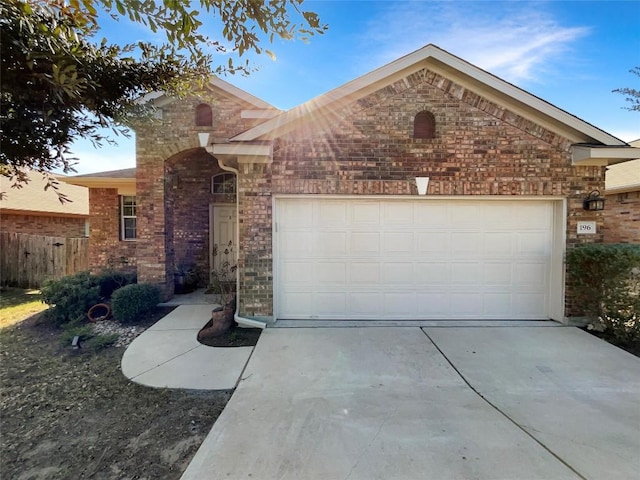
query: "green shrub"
605, 282
111, 280
131, 301
85, 332
70, 297
100, 342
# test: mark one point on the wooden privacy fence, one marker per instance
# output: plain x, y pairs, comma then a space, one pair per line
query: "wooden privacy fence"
31, 260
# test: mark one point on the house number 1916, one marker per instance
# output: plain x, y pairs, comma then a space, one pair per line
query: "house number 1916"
586, 228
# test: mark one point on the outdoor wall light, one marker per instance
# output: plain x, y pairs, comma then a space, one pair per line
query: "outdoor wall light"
204, 139
422, 183
593, 202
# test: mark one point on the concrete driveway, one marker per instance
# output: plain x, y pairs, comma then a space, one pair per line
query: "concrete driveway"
431, 403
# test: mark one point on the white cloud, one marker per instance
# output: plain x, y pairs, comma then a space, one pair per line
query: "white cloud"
91, 160
513, 40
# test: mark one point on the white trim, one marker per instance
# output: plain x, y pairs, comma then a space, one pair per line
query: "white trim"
240, 149
123, 217
425, 198
595, 155
259, 114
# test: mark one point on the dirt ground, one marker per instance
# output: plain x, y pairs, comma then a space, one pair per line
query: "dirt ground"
70, 415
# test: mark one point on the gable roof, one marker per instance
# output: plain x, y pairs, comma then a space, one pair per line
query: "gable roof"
454, 68
33, 199
227, 89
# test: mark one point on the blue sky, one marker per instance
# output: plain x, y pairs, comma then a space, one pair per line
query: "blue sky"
570, 53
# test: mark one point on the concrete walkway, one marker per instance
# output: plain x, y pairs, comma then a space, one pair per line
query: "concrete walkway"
169, 355
435, 403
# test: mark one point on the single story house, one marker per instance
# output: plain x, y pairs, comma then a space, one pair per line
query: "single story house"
33, 210
425, 189
622, 208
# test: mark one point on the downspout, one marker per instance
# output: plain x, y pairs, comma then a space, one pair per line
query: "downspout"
242, 321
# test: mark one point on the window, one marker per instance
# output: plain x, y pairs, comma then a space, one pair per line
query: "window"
204, 115
424, 125
223, 187
128, 229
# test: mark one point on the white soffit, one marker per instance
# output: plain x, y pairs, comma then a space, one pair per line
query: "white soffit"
602, 155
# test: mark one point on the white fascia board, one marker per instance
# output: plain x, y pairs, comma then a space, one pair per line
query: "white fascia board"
591, 155
239, 93
259, 114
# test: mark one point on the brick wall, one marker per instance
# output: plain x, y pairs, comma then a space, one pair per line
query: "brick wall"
622, 218
43, 225
188, 182
480, 148
105, 246
164, 215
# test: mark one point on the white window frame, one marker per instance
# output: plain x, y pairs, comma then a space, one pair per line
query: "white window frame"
123, 236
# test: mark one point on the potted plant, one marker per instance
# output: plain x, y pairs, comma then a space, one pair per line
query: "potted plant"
185, 278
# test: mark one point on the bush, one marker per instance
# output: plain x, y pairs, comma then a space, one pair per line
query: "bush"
605, 281
131, 301
110, 280
70, 298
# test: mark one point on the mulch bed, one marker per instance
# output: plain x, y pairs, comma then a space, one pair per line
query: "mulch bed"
67, 414
235, 337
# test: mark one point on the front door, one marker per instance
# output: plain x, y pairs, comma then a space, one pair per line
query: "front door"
223, 222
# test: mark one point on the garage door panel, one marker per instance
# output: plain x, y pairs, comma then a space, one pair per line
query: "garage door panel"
431, 216
466, 273
499, 244
495, 273
294, 273
432, 305
398, 304
433, 243
297, 244
466, 304
533, 216
365, 244
530, 305
404, 259
433, 273
395, 243
497, 305
397, 214
365, 213
331, 244
364, 273
466, 243
363, 305
530, 274
331, 273
398, 273
331, 214
331, 304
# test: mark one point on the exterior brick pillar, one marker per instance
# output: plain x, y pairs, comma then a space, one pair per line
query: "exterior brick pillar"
255, 257
155, 229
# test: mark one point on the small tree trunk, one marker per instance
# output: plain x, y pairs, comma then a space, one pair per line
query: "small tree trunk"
222, 321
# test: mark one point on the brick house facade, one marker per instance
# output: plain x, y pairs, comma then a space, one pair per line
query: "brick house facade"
491, 148
622, 208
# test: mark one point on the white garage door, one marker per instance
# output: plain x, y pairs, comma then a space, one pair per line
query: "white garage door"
412, 259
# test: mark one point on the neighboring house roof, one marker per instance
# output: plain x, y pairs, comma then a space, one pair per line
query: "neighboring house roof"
123, 180
624, 177
33, 199
463, 73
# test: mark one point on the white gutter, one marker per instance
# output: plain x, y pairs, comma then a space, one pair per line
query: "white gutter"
245, 322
